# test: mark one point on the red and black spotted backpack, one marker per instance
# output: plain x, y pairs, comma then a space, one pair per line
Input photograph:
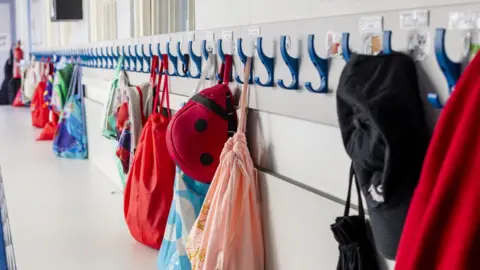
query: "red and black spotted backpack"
198, 131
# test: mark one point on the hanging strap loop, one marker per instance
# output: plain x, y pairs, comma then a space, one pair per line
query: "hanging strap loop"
153, 70
352, 176
165, 94
244, 97
209, 66
226, 69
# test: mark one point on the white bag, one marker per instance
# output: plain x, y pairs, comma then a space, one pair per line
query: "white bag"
30, 80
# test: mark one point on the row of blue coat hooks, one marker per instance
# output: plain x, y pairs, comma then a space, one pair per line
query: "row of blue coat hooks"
104, 58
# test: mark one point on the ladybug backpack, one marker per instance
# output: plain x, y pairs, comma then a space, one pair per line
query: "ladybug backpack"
198, 131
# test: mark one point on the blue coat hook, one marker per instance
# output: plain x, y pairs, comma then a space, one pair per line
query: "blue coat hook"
387, 42
116, 55
205, 50
196, 59
267, 62
88, 57
183, 59
141, 58
136, 60
131, 58
174, 61
101, 58
104, 55
321, 65
243, 58
126, 59
148, 58
98, 61
221, 54
450, 69
92, 57
292, 64
159, 54
346, 53
111, 58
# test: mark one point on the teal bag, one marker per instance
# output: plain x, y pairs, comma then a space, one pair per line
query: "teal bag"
109, 110
71, 136
186, 205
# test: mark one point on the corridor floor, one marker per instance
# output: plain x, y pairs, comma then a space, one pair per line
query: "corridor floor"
63, 215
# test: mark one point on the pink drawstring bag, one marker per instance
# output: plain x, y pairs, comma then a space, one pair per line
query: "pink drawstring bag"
227, 234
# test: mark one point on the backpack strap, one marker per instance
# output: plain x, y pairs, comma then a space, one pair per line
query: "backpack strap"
361, 212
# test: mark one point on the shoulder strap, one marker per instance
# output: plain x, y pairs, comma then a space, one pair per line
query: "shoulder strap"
244, 98
210, 63
352, 176
140, 94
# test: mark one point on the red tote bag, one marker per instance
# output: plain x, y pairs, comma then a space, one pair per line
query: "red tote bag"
149, 187
38, 108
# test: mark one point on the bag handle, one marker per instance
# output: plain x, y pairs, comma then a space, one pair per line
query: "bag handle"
163, 66
118, 68
226, 69
244, 97
209, 65
80, 91
153, 70
140, 94
166, 96
361, 212
72, 84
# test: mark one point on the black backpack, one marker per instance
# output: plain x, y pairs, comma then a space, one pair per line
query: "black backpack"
385, 133
7, 81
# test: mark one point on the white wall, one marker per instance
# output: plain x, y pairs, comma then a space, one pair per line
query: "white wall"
124, 19
224, 13
21, 12
46, 34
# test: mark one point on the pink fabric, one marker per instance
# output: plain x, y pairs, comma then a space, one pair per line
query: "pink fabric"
227, 234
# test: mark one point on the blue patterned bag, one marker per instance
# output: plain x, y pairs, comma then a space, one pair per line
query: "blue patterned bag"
71, 136
186, 205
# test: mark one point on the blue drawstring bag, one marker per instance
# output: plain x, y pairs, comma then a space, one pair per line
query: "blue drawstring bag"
71, 136
187, 202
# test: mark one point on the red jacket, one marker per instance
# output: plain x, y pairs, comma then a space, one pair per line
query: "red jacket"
442, 229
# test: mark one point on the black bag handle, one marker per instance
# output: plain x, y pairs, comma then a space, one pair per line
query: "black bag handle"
361, 212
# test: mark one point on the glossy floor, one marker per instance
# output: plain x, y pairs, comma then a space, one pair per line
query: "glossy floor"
63, 215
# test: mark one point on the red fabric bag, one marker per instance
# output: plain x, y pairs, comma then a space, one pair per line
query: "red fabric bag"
38, 108
17, 102
48, 132
149, 187
199, 130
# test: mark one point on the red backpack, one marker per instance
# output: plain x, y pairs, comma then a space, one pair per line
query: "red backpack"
149, 187
38, 107
198, 131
